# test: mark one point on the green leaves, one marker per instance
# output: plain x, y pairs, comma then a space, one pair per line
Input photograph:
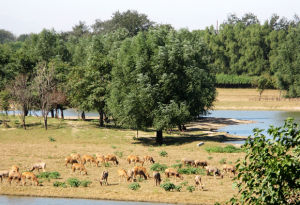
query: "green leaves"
270, 172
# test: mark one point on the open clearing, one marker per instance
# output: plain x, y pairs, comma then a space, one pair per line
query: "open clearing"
24, 148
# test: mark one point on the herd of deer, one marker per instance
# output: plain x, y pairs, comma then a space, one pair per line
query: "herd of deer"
78, 163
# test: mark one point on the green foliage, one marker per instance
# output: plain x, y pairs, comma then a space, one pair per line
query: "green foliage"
158, 167
269, 173
226, 149
85, 183
190, 188
178, 188
119, 154
59, 184
134, 186
4, 100
163, 153
74, 182
168, 186
185, 183
222, 161
190, 170
235, 81
176, 165
209, 157
49, 175
51, 139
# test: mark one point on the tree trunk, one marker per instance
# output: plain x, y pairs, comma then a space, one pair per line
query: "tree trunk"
137, 133
25, 111
45, 122
24, 114
52, 113
101, 122
56, 112
179, 127
159, 137
62, 113
83, 116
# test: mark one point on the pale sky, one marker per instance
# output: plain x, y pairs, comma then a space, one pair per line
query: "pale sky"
26, 16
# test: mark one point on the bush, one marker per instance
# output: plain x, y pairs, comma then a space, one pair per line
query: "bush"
59, 184
168, 186
222, 161
85, 183
227, 149
134, 186
163, 153
190, 188
73, 182
176, 166
178, 188
270, 171
158, 167
191, 170
51, 139
49, 175
185, 183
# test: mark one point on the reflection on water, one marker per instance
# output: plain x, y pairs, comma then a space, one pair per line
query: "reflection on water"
16, 200
263, 120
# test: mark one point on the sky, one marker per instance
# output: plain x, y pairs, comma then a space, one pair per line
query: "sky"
31, 16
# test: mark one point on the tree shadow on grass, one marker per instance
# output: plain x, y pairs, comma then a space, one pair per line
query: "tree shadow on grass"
185, 139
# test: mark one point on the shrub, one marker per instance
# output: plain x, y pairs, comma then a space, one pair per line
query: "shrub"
73, 182
106, 164
158, 167
85, 183
49, 175
185, 183
51, 139
227, 149
269, 173
190, 188
178, 188
222, 161
176, 166
168, 186
54, 175
190, 170
113, 146
163, 153
59, 184
134, 186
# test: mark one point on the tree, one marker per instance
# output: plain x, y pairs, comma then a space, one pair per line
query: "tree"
4, 101
130, 20
80, 29
6, 36
44, 85
270, 171
21, 95
161, 79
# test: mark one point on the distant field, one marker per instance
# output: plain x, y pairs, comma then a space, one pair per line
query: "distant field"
248, 99
24, 148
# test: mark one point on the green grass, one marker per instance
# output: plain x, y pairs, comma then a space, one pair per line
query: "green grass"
158, 167
227, 149
191, 170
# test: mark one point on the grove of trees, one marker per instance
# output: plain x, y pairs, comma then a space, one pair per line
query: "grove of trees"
140, 74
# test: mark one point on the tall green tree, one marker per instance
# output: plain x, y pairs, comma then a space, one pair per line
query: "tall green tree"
161, 79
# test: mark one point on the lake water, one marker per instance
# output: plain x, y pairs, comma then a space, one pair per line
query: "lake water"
16, 200
263, 120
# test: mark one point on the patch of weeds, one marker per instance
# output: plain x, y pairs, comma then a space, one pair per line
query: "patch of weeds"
50, 157
140, 179
150, 149
209, 157
113, 146
166, 180
51, 139
85, 183
191, 170
73, 182
222, 161
168, 186
60, 184
227, 149
185, 183
119, 154
134, 186
106, 164
40, 181
229, 162
178, 188
158, 167
217, 203
163, 153
190, 188
178, 161
48, 175
176, 165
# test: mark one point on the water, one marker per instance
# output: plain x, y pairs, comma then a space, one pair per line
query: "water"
16, 200
263, 120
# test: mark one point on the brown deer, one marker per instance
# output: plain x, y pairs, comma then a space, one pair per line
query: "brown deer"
29, 175
104, 177
227, 168
100, 159
79, 167
200, 163
14, 175
189, 162
138, 170
123, 174
88, 158
111, 157
4, 174
38, 166
198, 182
173, 172
135, 159
70, 160
149, 159
157, 178
213, 170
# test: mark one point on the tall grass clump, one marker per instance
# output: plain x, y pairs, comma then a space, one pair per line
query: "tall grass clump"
158, 167
227, 149
190, 170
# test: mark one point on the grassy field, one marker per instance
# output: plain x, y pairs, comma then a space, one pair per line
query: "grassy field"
25, 147
248, 99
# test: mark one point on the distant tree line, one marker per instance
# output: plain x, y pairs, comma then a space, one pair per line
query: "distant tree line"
140, 74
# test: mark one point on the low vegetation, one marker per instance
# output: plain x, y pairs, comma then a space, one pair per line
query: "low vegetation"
226, 149
134, 186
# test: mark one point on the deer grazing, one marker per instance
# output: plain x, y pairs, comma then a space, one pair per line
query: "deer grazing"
157, 178
111, 157
198, 182
123, 174
149, 159
173, 172
200, 163
29, 175
213, 170
88, 158
4, 174
38, 166
70, 160
227, 168
79, 167
189, 162
138, 170
104, 177
135, 159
